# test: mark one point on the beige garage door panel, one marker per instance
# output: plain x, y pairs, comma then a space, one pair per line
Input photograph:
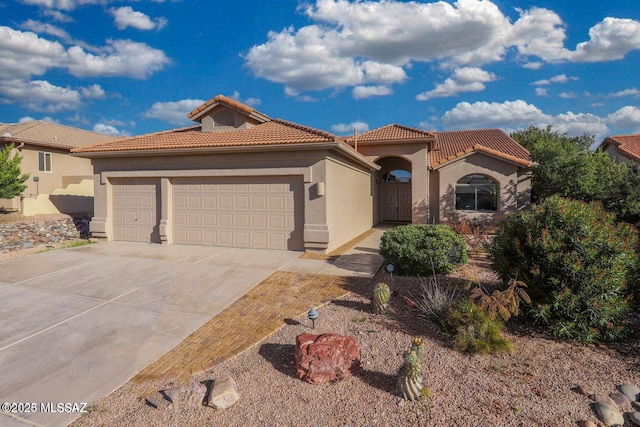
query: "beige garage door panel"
251, 212
135, 210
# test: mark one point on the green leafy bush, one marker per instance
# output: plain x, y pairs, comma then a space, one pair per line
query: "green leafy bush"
423, 249
474, 330
578, 263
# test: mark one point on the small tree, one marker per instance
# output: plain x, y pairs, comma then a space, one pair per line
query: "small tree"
11, 177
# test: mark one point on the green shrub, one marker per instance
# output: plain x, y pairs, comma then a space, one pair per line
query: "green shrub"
474, 330
422, 249
578, 263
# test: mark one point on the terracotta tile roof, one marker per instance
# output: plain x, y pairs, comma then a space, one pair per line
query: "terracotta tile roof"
52, 135
223, 100
454, 144
627, 145
275, 132
393, 132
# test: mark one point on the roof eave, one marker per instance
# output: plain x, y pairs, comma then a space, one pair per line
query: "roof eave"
329, 145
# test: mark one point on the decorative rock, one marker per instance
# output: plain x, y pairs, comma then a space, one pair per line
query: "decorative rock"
585, 391
196, 393
636, 405
622, 401
158, 401
328, 357
609, 415
634, 417
586, 423
30, 234
602, 398
224, 393
632, 391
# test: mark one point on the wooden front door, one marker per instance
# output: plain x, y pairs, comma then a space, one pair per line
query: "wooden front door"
396, 201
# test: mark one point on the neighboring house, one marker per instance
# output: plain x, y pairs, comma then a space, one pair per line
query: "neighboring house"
57, 181
622, 148
240, 178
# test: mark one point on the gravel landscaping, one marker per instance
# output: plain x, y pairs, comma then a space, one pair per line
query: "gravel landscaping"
536, 384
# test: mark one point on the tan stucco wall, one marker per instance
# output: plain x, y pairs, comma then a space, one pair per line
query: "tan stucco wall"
416, 154
309, 165
68, 188
619, 158
349, 199
503, 173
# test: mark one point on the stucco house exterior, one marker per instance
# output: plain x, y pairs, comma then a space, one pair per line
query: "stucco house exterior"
58, 182
239, 178
623, 148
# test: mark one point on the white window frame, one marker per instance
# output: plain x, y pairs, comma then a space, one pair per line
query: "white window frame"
45, 155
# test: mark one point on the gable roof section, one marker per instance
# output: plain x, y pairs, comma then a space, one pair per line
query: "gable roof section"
51, 135
627, 145
393, 133
275, 132
202, 110
494, 142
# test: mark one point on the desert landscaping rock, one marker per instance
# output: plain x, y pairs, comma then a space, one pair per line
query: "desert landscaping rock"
585, 391
609, 415
603, 398
323, 358
621, 401
196, 394
158, 400
224, 393
42, 233
634, 417
587, 423
632, 391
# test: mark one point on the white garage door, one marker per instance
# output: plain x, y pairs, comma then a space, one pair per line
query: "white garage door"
135, 210
246, 212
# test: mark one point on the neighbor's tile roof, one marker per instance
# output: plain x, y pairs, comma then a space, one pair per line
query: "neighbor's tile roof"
453, 144
275, 132
223, 100
627, 145
47, 134
393, 132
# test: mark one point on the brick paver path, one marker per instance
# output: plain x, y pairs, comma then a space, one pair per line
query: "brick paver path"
248, 321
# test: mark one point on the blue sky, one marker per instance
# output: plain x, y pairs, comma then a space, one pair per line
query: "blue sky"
134, 67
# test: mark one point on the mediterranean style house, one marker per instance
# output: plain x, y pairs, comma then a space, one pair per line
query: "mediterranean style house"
623, 148
58, 182
239, 178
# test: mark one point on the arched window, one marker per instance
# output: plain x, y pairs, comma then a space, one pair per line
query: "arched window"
476, 192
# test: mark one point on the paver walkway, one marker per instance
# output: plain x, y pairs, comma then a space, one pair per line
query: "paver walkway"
263, 310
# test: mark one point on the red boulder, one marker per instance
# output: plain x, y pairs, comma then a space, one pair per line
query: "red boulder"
327, 357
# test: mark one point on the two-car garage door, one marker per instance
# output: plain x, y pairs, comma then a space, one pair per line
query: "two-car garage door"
248, 212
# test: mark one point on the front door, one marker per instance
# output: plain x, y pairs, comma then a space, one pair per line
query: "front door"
396, 201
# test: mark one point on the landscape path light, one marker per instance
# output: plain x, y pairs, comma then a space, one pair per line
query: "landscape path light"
390, 269
313, 315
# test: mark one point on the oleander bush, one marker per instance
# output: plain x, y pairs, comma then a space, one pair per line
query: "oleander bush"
578, 262
423, 249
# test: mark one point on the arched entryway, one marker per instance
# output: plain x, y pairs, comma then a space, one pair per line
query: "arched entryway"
395, 189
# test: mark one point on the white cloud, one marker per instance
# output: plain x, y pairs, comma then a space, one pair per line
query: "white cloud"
369, 43
567, 95
626, 92
174, 112
560, 78
610, 39
514, 115
93, 92
127, 17
466, 79
44, 28
40, 95
348, 128
361, 92
541, 91
62, 4
118, 58
107, 129
626, 117
24, 54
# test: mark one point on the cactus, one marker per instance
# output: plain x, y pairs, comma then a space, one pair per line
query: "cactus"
381, 296
410, 377
417, 346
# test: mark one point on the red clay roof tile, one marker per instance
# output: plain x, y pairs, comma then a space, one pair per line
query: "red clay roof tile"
275, 132
627, 145
393, 132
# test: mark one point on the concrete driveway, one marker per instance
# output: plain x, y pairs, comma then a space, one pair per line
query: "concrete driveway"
76, 324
